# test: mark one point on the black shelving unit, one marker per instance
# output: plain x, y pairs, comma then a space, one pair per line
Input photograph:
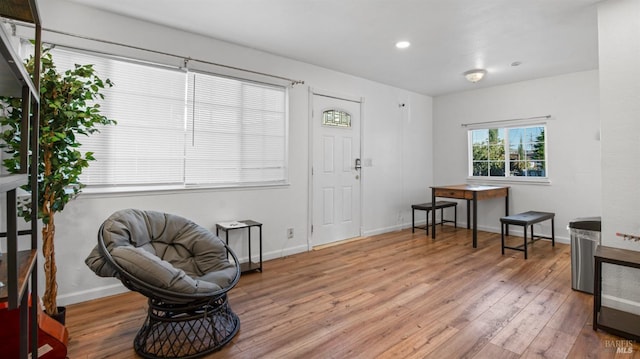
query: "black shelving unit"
614, 321
18, 267
249, 265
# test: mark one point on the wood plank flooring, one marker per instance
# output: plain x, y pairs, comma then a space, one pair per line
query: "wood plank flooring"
396, 295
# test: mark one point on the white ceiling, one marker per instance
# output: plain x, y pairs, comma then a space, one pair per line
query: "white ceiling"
448, 37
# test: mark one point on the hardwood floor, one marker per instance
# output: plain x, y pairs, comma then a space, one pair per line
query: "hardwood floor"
396, 295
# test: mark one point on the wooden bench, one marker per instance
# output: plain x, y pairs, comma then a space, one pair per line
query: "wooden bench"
441, 205
527, 219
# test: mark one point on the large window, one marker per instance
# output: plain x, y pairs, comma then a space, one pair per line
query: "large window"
236, 131
178, 128
508, 152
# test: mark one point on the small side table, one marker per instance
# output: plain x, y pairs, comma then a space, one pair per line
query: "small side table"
248, 266
614, 321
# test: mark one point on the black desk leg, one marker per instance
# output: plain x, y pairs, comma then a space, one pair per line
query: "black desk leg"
433, 214
506, 209
502, 236
468, 214
249, 237
475, 219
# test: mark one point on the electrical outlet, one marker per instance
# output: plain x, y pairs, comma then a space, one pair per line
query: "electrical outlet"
289, 233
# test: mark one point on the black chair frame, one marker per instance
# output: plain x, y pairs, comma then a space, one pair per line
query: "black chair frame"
440, 205
180, 325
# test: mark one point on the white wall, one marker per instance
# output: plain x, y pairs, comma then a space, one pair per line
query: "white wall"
396, 140
619, 56
619, 38
572, 140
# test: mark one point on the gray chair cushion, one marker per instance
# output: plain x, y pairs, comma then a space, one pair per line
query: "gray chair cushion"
165, 251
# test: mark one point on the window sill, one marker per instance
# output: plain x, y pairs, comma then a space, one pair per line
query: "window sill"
544, 181
171, 189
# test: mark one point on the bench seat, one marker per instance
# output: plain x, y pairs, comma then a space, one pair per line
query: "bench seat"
527, 219
441, 205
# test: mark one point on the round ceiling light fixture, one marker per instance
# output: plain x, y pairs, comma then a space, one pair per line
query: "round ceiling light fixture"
403, 44
475, 75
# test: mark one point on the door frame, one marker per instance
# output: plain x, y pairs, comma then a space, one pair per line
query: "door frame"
343, 97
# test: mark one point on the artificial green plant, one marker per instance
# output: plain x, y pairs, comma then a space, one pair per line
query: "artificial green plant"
68, 108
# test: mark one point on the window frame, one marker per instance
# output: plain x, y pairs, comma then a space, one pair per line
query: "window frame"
508, 178
114, 188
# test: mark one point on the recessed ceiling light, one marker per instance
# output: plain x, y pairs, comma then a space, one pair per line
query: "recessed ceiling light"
403, 44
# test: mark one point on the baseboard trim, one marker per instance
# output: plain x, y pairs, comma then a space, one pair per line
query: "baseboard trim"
373, 232
284, 252
327, 245
85, 295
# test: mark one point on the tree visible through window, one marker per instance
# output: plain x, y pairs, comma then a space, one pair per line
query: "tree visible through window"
508, 152
488, 152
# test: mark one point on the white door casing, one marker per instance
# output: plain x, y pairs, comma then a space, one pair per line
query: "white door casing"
336, 180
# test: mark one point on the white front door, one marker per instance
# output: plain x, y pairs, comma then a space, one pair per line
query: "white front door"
336, 180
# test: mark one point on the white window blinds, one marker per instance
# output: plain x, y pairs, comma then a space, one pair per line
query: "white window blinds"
183, 128
237, 131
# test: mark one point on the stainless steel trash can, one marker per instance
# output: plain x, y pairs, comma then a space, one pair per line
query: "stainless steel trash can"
585, 237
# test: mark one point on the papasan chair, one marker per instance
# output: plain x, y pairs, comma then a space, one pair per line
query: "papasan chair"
184, 271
